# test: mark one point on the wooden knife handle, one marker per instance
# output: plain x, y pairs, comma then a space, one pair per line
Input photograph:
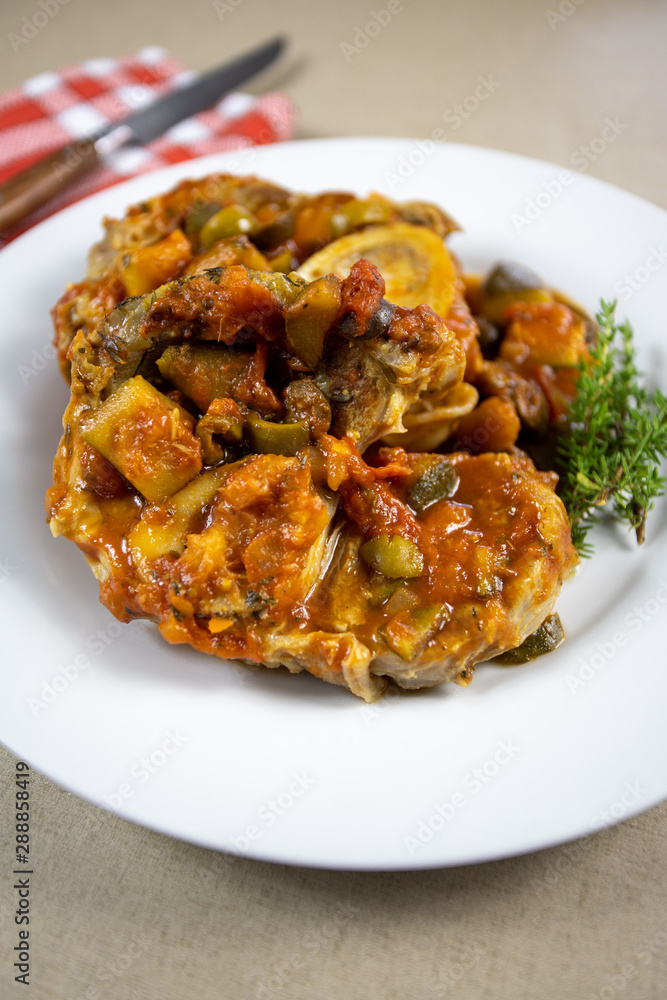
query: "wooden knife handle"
33, 187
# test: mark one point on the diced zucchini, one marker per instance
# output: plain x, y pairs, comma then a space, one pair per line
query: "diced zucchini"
150, 539
147, 437
545, 334
484, 571
381, 591
204, 372
393, 556
408, 632
285, 261
438, 482
546, 638
225, 253
310, 316
284, 287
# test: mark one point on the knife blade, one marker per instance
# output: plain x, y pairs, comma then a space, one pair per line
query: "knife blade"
33, 187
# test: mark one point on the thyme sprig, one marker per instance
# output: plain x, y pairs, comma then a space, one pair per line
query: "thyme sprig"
610, 453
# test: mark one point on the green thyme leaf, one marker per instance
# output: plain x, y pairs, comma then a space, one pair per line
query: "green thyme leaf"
616, 437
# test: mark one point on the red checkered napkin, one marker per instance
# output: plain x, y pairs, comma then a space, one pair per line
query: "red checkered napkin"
52, 109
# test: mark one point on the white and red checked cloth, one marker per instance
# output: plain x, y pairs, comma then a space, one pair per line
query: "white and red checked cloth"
51, 109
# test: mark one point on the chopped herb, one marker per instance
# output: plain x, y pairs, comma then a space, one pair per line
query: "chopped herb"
610, 453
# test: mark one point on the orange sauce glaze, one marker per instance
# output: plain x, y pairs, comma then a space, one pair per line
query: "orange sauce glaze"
478, 547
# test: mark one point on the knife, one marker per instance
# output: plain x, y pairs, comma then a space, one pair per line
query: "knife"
33, 187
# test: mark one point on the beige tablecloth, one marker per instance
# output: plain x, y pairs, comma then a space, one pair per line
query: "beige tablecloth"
120, 912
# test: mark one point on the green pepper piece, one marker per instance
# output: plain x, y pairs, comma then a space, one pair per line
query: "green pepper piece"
393, 556
546, 638
267, 438
408, 632
438, 482
229, 221
311, 316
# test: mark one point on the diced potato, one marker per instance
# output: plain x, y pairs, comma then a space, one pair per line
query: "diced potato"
146, 268
494, 425
147, 437
393, 556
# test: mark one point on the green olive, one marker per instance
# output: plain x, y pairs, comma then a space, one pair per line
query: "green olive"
229, 221
393, 556
268, 438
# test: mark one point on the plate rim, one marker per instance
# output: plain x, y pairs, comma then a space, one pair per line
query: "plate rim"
184, 169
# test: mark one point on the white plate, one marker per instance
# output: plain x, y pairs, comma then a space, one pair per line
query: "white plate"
286, 768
